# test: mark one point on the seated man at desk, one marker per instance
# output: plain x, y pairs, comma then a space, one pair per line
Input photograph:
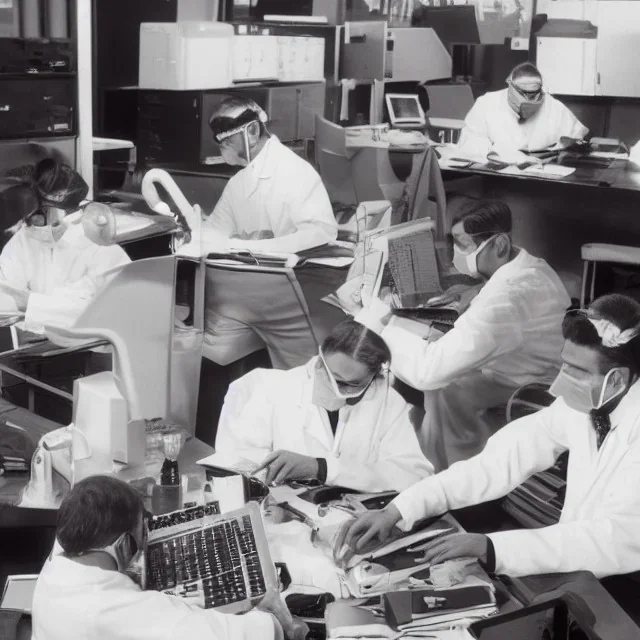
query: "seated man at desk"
596, 417
336, 419
509, 336
49, 269
276, 203
521, 118
84, 593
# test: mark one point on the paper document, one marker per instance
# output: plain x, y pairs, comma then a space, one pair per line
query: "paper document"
544, 170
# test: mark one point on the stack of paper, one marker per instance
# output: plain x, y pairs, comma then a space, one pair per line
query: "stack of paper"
426, 613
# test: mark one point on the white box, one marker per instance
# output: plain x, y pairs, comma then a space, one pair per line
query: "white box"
185, 55
300, 59
255, 58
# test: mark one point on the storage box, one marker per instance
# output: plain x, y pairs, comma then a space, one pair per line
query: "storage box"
255, 57
300, 59
185, 55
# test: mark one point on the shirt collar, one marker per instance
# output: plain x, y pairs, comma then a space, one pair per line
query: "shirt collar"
511, 267
629, 407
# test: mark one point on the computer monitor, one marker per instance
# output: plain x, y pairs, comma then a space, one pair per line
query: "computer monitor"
405, 110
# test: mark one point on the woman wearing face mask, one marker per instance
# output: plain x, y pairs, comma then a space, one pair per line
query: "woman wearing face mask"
521, 118
335, 419
49, 270
508, 337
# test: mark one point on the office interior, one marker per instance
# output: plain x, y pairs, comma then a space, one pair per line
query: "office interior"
374, 95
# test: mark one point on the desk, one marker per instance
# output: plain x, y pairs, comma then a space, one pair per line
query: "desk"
553, 218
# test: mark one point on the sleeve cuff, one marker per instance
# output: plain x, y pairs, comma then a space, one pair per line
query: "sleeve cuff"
333, 470
490, 564
322, 470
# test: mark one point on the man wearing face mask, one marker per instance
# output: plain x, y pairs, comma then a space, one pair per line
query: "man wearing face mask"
84, 593
508, 337
276, 202
335, 419
521, 118
596, 417
49, 270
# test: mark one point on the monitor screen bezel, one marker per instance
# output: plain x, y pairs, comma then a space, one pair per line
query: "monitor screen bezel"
419, 120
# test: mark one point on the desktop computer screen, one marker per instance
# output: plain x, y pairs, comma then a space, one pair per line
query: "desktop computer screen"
405, 110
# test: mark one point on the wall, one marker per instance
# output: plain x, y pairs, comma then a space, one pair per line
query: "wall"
198, 9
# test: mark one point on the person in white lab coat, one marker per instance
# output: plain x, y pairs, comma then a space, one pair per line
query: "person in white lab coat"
521, 118
508, 337
336, 419
84, 593
49, 270
276, 203
596, 417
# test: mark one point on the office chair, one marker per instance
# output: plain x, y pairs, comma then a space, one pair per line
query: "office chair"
363, 175
595, 253
448, 107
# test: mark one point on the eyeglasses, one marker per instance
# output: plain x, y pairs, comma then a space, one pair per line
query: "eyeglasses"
345, 389
529, 95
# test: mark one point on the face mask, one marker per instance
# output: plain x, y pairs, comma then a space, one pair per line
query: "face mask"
579, 394
522, 106
467, 263
230, 155
48, 234
123, 550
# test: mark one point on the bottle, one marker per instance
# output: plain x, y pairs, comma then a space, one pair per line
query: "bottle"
170, 473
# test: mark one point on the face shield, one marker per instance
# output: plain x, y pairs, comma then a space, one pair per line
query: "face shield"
232, 141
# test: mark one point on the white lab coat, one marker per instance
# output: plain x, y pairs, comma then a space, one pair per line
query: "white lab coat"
88, 603
598, 528
374, 449
492, 124
61, 277
509, 336
278, 192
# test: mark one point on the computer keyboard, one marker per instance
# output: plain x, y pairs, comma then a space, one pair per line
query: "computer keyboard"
216, 557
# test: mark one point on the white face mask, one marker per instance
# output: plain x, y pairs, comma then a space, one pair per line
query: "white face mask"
579, 393
123, 550
467, 263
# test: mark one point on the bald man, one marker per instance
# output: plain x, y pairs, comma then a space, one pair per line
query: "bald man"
521, 118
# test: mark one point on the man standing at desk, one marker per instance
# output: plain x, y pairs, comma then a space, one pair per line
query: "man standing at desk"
523, 117
275, 204
596, 417
508, 337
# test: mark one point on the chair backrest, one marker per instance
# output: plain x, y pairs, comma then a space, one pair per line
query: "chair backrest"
332, 162
449, 100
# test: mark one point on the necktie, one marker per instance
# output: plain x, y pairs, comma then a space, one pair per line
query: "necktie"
602, 424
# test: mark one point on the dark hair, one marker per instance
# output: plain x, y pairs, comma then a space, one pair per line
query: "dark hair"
220, 123
620, 310
51, 177
525, 69
484, 218
353, 339
96, 512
